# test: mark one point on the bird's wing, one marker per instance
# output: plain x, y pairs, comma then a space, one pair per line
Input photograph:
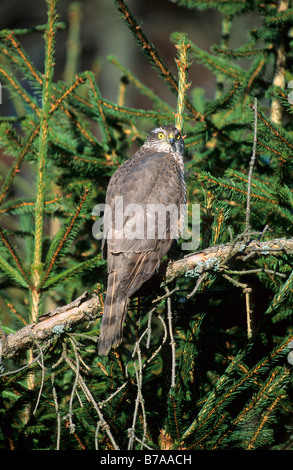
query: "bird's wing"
148, 178
138, 186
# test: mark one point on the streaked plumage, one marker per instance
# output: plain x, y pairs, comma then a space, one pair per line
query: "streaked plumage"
154, 175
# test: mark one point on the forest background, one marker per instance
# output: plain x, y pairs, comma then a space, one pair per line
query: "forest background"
206, 362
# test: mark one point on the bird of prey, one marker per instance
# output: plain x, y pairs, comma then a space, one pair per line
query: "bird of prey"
152, 180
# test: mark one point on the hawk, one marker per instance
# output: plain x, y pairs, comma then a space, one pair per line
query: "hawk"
151, 191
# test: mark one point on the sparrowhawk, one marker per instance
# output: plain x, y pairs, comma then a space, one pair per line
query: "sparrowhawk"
153, 182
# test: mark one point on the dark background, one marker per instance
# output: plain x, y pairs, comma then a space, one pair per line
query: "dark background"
103, 32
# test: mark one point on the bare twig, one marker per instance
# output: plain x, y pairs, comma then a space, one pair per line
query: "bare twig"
10, 372
103, 403
43, 377
234, 282
55, 398
254, 271
172, 342
149, 328
197, 285
247, 292
163, 341
92, 400
251, 165
168, 294
139, 397
71, 424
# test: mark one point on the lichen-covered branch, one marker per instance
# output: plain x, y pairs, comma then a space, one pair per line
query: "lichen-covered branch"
52, 323
64, 319
215, 255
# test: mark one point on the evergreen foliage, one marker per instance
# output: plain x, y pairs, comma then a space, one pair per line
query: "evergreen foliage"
205, 363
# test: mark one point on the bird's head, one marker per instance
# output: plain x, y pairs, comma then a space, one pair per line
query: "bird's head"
166, 139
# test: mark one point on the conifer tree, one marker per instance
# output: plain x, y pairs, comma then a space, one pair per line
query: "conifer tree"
206, 361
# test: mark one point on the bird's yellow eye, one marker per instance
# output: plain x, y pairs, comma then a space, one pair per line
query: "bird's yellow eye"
161, 135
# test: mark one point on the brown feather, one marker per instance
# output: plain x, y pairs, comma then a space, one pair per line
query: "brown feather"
151, 176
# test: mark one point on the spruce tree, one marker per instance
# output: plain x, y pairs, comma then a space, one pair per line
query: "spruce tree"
206, 360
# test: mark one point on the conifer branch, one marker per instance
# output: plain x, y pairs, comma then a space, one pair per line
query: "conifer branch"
22, 58
263, 421
183, 66
78, 81
152, 53
274, 130
16, 205
254, 72
19, 90
217, 64
144, 43
213, 407
264, 390
42, 156
15, 258
24, 31
17, 163
105, 129
160, 104
242, 53
58, 248
230, 186
60, 130
118, 111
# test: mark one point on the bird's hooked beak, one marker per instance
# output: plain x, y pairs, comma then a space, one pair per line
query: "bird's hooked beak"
171, 139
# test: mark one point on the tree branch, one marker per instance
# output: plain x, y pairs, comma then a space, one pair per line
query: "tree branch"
215, 255
50, 324
63, 319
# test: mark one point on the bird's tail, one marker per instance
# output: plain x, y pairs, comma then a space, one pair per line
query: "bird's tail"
111, 331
